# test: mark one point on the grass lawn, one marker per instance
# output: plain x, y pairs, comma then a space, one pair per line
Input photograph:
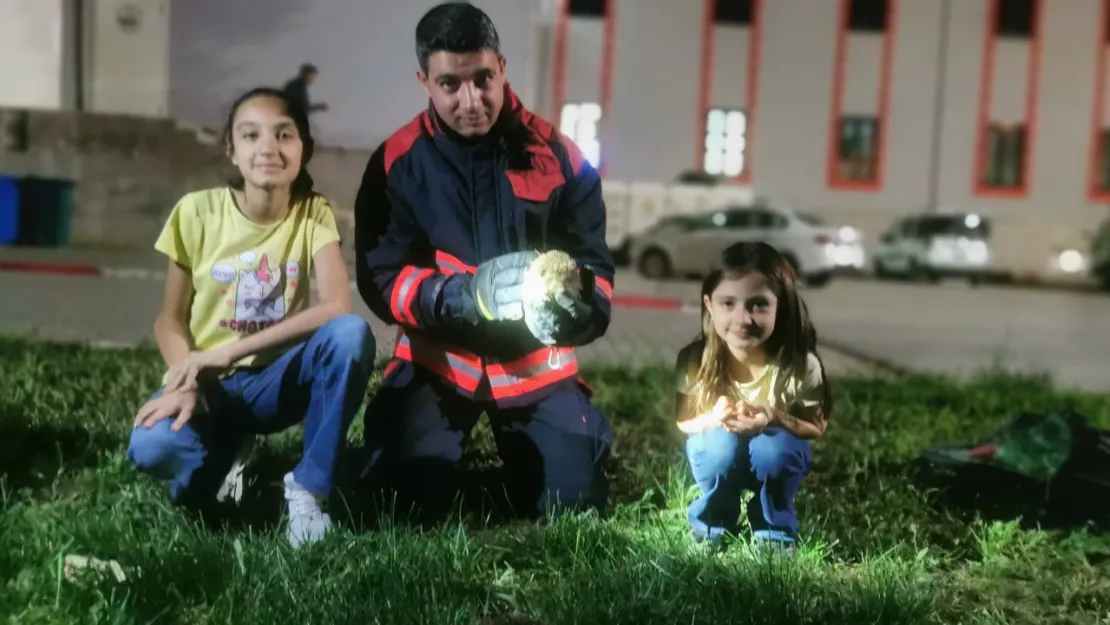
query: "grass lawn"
882, 545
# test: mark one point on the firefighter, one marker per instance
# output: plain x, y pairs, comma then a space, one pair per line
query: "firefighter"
451, 209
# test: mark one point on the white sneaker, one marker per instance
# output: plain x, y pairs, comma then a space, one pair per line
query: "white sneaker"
307, 522
233, 482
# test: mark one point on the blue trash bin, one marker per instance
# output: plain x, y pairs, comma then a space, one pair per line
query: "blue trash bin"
9, 210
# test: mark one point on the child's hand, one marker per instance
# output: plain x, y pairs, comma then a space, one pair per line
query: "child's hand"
747, 420
721, 411
717, 416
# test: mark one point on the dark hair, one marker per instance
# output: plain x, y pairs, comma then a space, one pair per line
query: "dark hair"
454, 27
302, 188
791, 342
308, 68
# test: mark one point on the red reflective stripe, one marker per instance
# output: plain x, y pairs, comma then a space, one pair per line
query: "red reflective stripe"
414, 288
405, 288
534, 383
523, 364
436, 362
604, 286
450, 264
391, 367
395, 300
450, 364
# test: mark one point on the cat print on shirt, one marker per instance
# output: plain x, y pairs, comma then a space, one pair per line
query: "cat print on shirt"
258, 298
259, 295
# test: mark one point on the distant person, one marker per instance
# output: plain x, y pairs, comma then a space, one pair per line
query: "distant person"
751, 394
247, 353
297, 89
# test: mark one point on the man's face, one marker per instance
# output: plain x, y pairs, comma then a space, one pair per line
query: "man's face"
309, 78
466, 89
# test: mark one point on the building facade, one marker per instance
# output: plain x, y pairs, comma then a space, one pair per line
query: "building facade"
982, 105
108, 56
861, 108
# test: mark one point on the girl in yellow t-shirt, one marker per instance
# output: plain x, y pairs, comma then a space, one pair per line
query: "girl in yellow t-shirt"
751, 394
246, 352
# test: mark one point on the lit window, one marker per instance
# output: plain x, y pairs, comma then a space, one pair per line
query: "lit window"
858, 151
1005, 156
725, 142
580, 122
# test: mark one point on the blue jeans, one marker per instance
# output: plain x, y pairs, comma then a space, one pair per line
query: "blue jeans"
321, 381
772, 463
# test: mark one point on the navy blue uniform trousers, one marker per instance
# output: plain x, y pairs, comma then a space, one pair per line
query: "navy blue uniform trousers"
553, 452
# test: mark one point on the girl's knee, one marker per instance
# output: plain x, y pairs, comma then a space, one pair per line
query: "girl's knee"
351, 334
777, 453
150, 448
713, 451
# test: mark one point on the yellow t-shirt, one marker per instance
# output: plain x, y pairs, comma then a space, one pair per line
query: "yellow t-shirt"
775, 387
246, 276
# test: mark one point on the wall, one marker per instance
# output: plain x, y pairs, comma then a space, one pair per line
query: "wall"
130, 171
797, 71
127, 56
366, 57
31, 50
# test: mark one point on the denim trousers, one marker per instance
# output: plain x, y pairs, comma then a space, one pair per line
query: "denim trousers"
320, 382
771, 463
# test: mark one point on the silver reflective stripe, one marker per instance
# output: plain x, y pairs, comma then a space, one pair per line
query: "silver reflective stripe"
449, 265
406, 286
556, 362
421, 349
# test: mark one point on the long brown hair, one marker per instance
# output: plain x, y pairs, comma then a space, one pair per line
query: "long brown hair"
789, 345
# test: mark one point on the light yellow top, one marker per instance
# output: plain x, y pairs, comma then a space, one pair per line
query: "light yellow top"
775, 387
246, 276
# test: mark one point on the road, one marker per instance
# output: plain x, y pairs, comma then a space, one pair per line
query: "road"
947, 328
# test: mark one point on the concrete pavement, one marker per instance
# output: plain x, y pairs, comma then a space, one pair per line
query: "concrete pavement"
948, 328
119, 313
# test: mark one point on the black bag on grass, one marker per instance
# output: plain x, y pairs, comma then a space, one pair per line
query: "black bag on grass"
1059, 455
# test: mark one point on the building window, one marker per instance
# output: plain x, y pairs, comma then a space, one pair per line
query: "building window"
726, 143
580, 122
859, 149
867, 15
1005, 157
587, 8
733, 12
1015, 18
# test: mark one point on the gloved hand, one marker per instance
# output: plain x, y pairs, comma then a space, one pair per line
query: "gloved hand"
564, 319
497, 286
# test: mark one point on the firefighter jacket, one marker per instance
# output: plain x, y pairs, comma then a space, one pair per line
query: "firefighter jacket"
432, 205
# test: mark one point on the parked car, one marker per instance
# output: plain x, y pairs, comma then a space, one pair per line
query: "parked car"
934, 246
692, 244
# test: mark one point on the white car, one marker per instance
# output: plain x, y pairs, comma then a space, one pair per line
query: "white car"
692, 244
934, 246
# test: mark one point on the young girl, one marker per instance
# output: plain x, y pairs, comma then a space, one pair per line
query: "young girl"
751, 394
246, 353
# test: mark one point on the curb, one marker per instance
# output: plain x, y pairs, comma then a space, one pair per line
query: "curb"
639, 302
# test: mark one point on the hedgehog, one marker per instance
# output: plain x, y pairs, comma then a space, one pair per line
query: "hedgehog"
551, 275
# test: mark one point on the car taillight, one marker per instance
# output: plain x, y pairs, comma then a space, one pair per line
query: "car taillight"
824, 239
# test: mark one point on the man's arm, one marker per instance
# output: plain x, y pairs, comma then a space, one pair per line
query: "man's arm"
579, 230
388, 240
